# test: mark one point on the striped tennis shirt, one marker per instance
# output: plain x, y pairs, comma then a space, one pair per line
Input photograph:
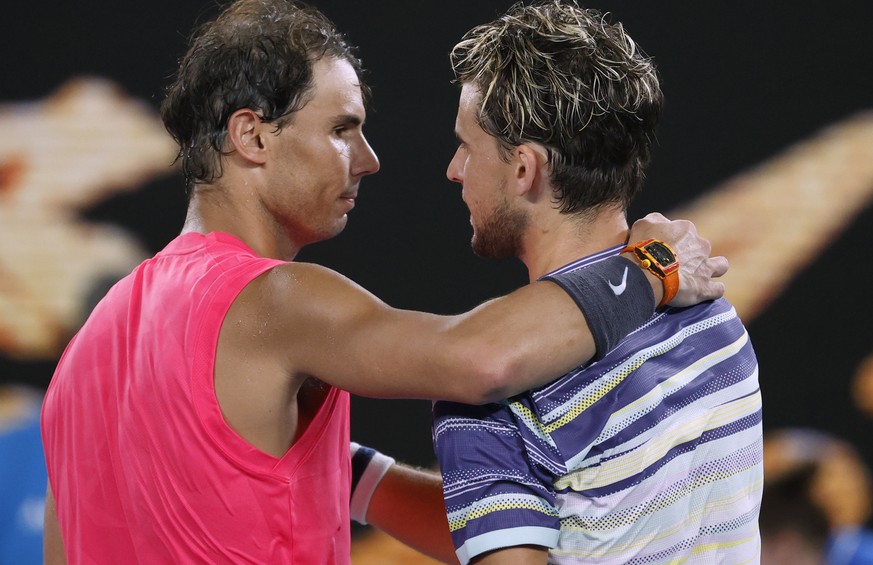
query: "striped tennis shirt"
650, 455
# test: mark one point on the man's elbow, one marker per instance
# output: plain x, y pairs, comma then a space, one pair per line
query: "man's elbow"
487, 377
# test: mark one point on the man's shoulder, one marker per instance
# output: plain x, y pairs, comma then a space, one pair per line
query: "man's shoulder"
707, 315
700, 329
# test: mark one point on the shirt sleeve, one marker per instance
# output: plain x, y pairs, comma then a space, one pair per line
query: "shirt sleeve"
495, 495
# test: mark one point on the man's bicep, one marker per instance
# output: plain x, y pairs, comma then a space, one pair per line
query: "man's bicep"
332, 328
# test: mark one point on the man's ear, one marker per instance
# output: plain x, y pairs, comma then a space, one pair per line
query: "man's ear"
530, 170
246, 133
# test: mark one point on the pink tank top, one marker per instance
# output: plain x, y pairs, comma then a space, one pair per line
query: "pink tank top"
142, 465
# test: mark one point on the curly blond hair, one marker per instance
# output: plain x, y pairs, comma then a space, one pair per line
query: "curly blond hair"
561, 75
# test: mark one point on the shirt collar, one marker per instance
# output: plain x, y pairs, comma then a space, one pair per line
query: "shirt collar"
587, 260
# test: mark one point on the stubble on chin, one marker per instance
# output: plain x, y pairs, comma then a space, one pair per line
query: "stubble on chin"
499, 235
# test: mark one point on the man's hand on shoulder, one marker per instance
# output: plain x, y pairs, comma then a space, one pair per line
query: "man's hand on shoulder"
696, 268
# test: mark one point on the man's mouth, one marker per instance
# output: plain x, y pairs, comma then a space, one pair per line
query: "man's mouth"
349, 199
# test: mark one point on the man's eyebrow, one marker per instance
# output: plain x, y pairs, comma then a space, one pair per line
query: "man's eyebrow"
348, 120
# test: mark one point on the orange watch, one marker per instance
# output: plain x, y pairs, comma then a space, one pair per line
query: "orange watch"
659, 259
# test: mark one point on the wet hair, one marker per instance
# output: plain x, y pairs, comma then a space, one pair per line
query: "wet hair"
256, 54
562, 76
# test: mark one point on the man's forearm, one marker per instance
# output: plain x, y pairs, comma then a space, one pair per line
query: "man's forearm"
408, 505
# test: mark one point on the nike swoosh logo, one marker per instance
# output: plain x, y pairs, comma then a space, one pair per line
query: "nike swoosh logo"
619, 288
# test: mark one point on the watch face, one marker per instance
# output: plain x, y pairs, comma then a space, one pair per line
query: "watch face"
661, 254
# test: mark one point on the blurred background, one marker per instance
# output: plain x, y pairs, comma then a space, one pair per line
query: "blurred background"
766, 143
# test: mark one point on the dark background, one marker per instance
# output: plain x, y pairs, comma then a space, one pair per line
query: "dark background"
743, 79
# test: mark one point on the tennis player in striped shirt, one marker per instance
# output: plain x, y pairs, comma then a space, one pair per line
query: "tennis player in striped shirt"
652, 452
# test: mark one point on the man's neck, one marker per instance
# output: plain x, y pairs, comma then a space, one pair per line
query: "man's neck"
214, 208
561, 239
